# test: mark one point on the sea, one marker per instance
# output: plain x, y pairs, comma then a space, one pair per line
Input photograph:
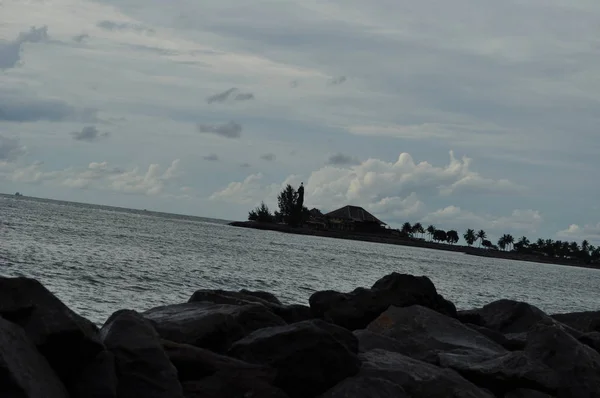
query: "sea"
100, 259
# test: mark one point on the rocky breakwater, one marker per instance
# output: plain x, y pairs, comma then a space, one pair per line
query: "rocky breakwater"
399, 338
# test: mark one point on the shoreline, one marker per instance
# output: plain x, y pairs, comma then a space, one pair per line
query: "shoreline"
395, 240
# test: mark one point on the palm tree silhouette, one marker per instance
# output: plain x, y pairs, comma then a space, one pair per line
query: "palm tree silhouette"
417, 228
509, 240
431, 230
470, 236
481, 235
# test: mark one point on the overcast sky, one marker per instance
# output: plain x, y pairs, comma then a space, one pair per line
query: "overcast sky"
470, 113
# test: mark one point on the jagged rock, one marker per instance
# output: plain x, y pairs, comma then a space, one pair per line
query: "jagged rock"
309, 359
361, 387
586, 322
50, 325
143, 369
503, 373
368, 341
577, 365
207, 325
98, 379
511, 341
289, 313
222, 386
24, 372
417, 378
526, 393
591, 340
355, 310
426, 333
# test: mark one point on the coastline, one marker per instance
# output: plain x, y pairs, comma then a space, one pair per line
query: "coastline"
396, 240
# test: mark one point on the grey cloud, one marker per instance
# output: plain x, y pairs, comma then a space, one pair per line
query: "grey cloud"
269, 157
10, 52
10, 148
80, 38
225, 95
245, 165
336, 81
89, 134
294, 83
340, 159
227, 130
22, 108
211, 158
116, 26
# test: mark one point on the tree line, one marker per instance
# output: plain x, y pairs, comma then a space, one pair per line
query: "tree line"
546, 247
291, 208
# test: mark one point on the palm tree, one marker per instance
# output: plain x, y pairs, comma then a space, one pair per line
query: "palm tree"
470, 237
509, 240
407, 228
431, 230
523, 243
452, 236
481, 235
502, 242
585, 246
417, 228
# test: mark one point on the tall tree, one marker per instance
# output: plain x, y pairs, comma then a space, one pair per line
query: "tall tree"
440, 235
261, 214
452, 236
509, 240
470, 237
407, 228
502, 242
417, 228
430, 231
481, 235
291, 205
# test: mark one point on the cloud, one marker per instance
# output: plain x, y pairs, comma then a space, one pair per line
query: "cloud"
590, 232
253, 190
119, 26
227, 130
10, 148
340, 159
10, 52
245, 165
336, 81
98, 176
80, 38
89, 134
211, 158
16, 107
269, 157
227, 94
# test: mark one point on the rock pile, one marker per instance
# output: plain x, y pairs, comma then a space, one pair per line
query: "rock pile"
400, 338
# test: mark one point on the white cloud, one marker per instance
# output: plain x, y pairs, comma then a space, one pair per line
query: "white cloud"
591, 232
10, 51
10, 148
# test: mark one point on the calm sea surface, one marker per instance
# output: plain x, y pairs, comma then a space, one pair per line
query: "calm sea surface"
99, 259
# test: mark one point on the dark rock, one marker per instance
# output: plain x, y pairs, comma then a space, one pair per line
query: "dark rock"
355, 310
222, 386
289, 313
308, 358
586, 322
577, 365
426, 333
98, 379
368, 341
270, 297
419, 379
343, 336
591, 340
50, 325
527, 393
503, 373
207, 325
361, 387
143, 369
512, 342
24, 372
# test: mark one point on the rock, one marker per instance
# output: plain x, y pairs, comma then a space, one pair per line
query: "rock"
343, 336
526, 393
355, 310
591, 340
24, 372
98, 379
586, 322
207, 325
417, 378
143, 369
222, 386
309, 359
426, 333
289, 313
368, 341
50, 325
361, 387
503, 373
512, 341
577, 365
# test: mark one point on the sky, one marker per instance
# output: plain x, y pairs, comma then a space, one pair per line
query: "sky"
466, 114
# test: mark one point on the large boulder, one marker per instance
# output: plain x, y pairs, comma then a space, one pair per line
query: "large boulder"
527, 393
426, 333
361, 387
97, 379
586, 322
419, 379
289, 313
208, 325
510, 341
355, 310
206, 374
143, 369
309, 358
577, 365
504, 373
67, 340
24, 372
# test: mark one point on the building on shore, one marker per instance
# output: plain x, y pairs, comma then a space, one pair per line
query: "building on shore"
354, 218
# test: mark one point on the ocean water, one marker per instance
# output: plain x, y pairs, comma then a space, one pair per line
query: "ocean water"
99, 259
